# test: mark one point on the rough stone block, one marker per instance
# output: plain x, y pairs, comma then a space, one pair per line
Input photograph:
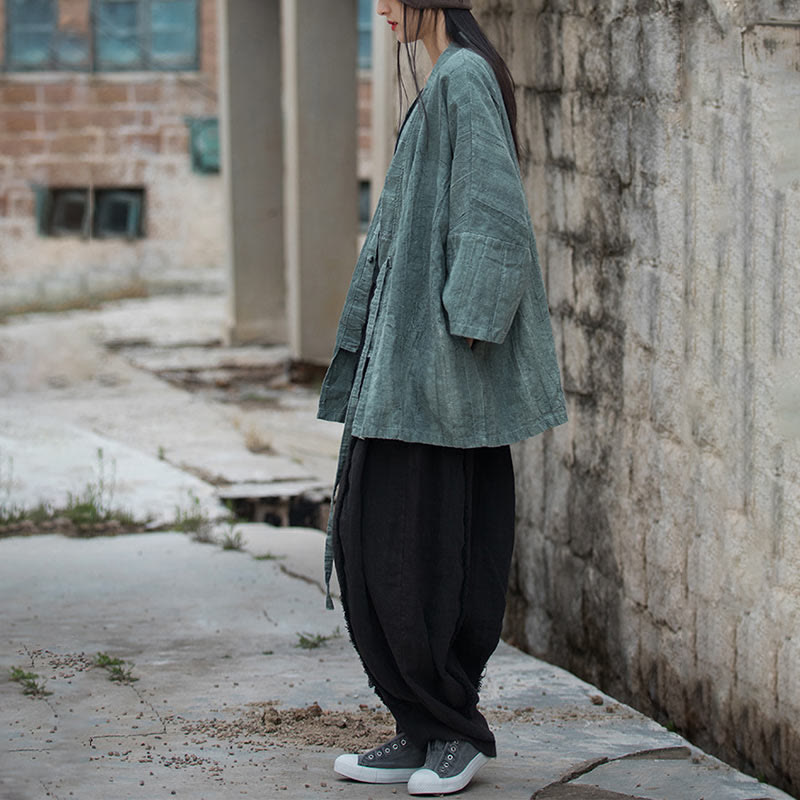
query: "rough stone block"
591, 126
626, 65
788, 678
16, 94
576, 366
531, 127
756, 657
15, 146
541, 65
558, 130
715, 645
75, 144
58, 93
557, 254
632, 560
585, 56
15, 122
661, 42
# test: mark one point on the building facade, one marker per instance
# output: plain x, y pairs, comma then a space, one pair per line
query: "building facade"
109, 154
109, 147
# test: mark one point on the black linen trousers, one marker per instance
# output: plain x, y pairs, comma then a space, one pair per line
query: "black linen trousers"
423, 537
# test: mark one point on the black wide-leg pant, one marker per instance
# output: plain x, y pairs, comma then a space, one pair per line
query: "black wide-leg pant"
423, 537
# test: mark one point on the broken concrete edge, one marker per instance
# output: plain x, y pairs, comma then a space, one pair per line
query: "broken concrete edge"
272, 490
562, 789
565, 791
585, 767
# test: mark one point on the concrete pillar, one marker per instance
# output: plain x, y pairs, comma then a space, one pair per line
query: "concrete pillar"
252, 168
321, 212
384, 103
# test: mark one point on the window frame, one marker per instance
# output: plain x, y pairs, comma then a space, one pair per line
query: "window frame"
9, 64
58, 198
92, 63
364, 26
96, 198
134, 199
144, 27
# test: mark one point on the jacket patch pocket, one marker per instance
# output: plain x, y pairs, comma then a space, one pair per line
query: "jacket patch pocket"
485, 283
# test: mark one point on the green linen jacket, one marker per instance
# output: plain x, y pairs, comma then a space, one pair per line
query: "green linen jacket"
450, 254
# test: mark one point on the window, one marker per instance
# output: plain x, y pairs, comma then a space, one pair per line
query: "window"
67, 212
30, 33
127, 35
118, 212
365, 12
204, 144
145, 34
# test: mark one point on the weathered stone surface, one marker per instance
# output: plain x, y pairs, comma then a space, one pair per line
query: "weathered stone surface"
658, 548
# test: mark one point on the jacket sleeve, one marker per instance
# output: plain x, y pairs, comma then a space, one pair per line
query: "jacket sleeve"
488, 240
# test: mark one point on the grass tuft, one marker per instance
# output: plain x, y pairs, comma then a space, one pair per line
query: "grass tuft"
232, 540
310, 641
32, 684
118, 670
89, 511
194, 520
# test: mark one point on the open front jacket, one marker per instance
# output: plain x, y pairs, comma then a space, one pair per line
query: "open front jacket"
449, 255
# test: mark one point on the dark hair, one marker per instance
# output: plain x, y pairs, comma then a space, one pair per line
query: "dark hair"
463, 29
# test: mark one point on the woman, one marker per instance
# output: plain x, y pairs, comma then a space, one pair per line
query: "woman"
444, 356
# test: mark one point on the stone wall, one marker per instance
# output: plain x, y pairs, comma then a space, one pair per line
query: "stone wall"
658, 547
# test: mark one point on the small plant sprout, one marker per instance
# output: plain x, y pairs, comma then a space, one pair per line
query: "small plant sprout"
310, 641
193, 519
233, 539
118, 670
31, 683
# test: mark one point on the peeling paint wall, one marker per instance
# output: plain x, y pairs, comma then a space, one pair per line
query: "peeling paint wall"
658, 548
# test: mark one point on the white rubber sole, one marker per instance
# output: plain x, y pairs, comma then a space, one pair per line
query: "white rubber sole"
426, 781
348, 766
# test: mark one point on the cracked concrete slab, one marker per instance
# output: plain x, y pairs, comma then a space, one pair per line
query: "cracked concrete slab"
212, 634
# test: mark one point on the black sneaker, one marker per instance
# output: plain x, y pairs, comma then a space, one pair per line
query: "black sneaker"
448, 768
393, 762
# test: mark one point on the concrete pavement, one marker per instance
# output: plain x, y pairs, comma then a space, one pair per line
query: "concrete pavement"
224, 702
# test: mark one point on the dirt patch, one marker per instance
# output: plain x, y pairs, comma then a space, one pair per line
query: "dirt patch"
267, 724
262, 725
63, 665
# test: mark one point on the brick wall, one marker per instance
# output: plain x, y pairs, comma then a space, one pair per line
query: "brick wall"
658, 549
78, 129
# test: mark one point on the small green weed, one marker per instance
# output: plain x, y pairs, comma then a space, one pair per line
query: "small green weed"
31, 683
193, 519
232, 540
118, 670
268, 557
310, 641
